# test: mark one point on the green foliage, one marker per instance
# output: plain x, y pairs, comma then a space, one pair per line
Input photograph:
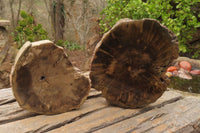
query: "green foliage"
69, 45
27, 30
175, 14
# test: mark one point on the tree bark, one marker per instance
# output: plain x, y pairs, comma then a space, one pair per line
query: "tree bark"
130, 61
59, 21
1, 8
15, 19
18, 11
12, 13
52, 17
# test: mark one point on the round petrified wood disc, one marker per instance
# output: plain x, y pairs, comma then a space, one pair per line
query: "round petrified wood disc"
44, 81
130, 61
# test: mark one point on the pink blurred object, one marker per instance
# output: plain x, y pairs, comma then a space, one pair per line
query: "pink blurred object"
195, 72
185, 65
175, 73
184, 75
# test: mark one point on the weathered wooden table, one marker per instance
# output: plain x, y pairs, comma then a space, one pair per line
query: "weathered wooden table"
173, 112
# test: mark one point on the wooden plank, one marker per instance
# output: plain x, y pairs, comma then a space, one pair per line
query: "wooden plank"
6, 95
10, 111
112, 115
181, 116
42, 123
9, 108
171, 112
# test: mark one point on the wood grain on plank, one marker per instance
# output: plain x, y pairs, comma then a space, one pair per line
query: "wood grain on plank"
10, 112
48, 122
6, 94
171, 112
170, 118
112, 115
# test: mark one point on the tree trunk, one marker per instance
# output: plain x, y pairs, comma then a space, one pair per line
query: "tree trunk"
49, 7
12, 13
2, 6
52, 16
130, 61
15, 19
18, 12
44, 81
59, 21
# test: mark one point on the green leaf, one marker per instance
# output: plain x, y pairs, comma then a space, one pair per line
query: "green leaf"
197, 25
30, 20
22, 23
23, 14
176, 15
27, 31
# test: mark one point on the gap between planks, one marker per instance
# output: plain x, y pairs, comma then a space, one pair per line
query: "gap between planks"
48, 123
109, 116
10, 110
84, 119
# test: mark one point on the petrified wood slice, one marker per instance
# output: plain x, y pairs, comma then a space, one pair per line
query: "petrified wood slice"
44, 81
130, 61
192, 85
